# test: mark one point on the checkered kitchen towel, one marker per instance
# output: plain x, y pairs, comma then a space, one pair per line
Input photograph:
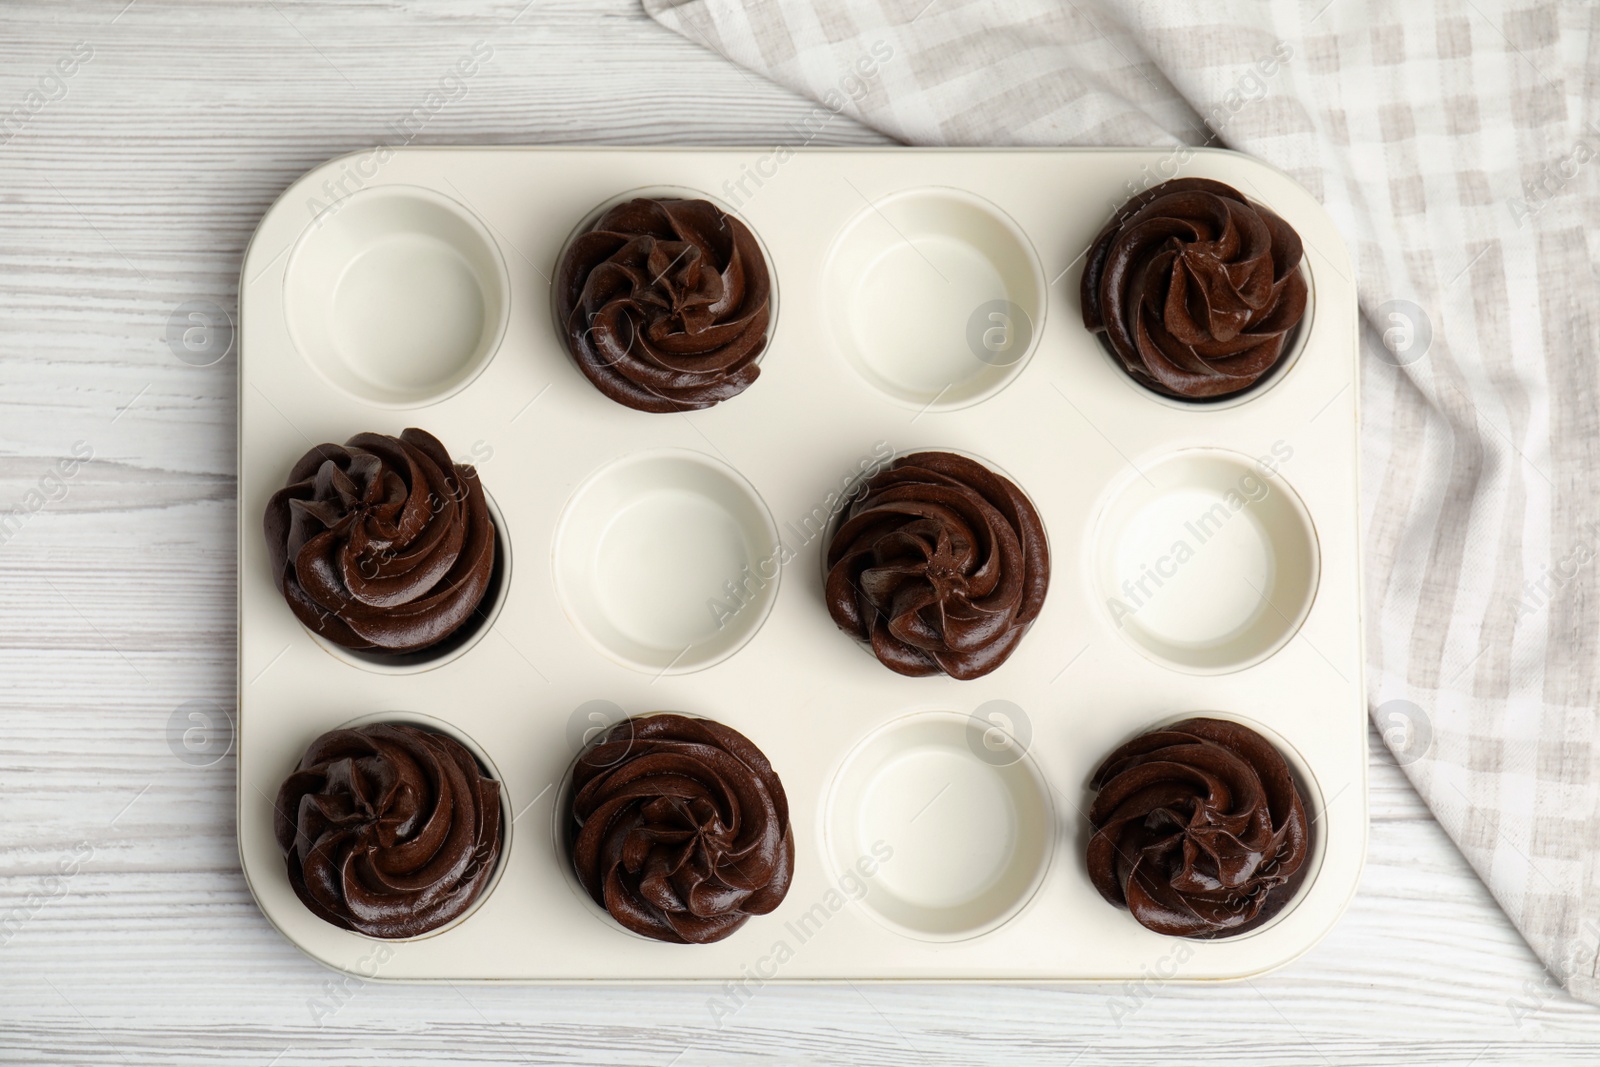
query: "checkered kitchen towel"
1455, 142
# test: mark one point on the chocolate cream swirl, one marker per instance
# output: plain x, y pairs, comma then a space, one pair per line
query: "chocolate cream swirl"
940, 565
680, 828
1199, 829
388, 830
382, 543
666, 304
1196, 288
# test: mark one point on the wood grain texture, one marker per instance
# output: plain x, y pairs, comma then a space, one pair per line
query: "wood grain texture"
135, 190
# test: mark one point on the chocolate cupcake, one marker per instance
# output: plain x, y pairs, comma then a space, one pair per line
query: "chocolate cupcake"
1196, 289
389, 830
679, 828
1199, 829
940, 565
665, 304
381, 544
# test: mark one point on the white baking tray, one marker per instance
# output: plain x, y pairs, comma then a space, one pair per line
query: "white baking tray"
991, 885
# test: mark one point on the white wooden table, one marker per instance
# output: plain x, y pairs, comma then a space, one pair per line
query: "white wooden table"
130, 187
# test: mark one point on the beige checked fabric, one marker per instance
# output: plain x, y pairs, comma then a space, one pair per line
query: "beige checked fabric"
1455, 142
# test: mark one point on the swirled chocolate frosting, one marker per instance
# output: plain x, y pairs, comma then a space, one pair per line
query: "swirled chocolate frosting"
680, 828
1196, 288
666, 304
1199, 829
388, 830
381, 543
940, 565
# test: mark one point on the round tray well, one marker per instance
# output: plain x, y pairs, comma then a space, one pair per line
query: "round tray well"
397, 295
667, 561
935, 297
963, 839
1206, 561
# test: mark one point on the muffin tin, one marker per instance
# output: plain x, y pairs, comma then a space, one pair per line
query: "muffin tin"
929, 301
